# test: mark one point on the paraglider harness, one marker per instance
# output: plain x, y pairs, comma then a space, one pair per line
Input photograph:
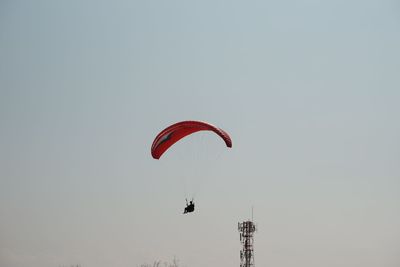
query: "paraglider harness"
189, 207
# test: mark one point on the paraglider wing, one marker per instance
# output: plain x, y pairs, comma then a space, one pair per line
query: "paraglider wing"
172, 134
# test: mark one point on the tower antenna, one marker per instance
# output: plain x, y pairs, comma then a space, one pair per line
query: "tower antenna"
246, 230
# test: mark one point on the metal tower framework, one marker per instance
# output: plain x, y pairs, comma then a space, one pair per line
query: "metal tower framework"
246, 230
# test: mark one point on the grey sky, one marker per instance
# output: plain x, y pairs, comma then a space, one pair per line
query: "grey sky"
308, 90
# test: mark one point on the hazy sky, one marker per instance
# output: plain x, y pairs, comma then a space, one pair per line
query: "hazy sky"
309, 91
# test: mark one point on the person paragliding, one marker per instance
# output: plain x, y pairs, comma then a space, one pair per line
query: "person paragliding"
189, 207
175, 132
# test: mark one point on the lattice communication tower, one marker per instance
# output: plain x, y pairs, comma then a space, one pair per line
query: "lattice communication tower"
246, 230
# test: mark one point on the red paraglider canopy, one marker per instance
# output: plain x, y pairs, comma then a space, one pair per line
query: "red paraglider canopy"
172, 134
